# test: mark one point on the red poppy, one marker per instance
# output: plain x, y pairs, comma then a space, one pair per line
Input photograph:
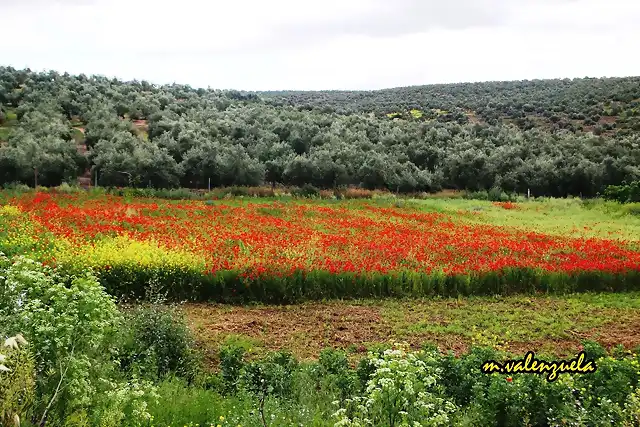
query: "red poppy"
283, 240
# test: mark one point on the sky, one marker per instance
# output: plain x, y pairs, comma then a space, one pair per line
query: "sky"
327, 44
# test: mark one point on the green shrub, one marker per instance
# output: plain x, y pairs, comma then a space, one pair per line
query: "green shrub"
524, 399
332, 374
238, 191
614, 379
477, 195
70, 324
231, 364
307, 190
123, 403
593, 350
17, 381
68, 189
460, 375
632, 409
272, 376
403, 390
158, 343
625, 193
17, 187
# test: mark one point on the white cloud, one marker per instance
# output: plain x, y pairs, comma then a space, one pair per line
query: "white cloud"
333, 44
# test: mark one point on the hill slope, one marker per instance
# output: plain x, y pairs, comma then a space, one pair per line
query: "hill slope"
569, 103
554, 137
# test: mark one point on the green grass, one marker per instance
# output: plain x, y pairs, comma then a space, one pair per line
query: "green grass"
514, 320
567, 217
178, 404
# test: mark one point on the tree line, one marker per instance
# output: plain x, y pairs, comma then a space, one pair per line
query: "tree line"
140, 134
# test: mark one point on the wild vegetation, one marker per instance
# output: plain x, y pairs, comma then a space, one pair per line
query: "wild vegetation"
554, 138
83, 362
286, 252
319, 363
369, 299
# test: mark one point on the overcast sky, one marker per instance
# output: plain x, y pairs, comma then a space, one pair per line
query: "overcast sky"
326, 44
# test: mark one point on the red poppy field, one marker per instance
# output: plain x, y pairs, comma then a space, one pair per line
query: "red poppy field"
288, 251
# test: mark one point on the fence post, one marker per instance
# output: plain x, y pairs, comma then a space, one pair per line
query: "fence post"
209, 184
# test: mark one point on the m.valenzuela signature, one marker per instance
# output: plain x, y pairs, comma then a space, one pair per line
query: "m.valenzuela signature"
530, 365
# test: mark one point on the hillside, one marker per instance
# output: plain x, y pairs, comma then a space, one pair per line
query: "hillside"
589, 104
554, 137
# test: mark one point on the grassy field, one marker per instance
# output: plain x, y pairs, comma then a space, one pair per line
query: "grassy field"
288, 251
319, 249
254, 279
563, 217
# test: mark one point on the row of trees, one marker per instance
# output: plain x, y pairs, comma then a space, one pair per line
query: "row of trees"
192, 137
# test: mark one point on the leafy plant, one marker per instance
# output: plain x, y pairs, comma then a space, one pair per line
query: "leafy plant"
269, 377
231, 364
158, 343
70, 327
17, 381
332, 372
403, 390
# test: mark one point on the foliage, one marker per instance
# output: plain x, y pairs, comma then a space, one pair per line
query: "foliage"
17, 380
389, 387
333, 373
231, 364
626, 193
125, 403
402, 386
300, 251
269, 377
402, 390
553, 137
69, 323
158, 343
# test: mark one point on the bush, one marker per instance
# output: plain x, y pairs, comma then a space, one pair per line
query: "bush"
238, 191
158, 343
272, 376
307, 190
17, 187
632, 209
68, 189
17, 381
626, 193
524, 400
477, 195
332, 374
402, 390
231, 364
70, 323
